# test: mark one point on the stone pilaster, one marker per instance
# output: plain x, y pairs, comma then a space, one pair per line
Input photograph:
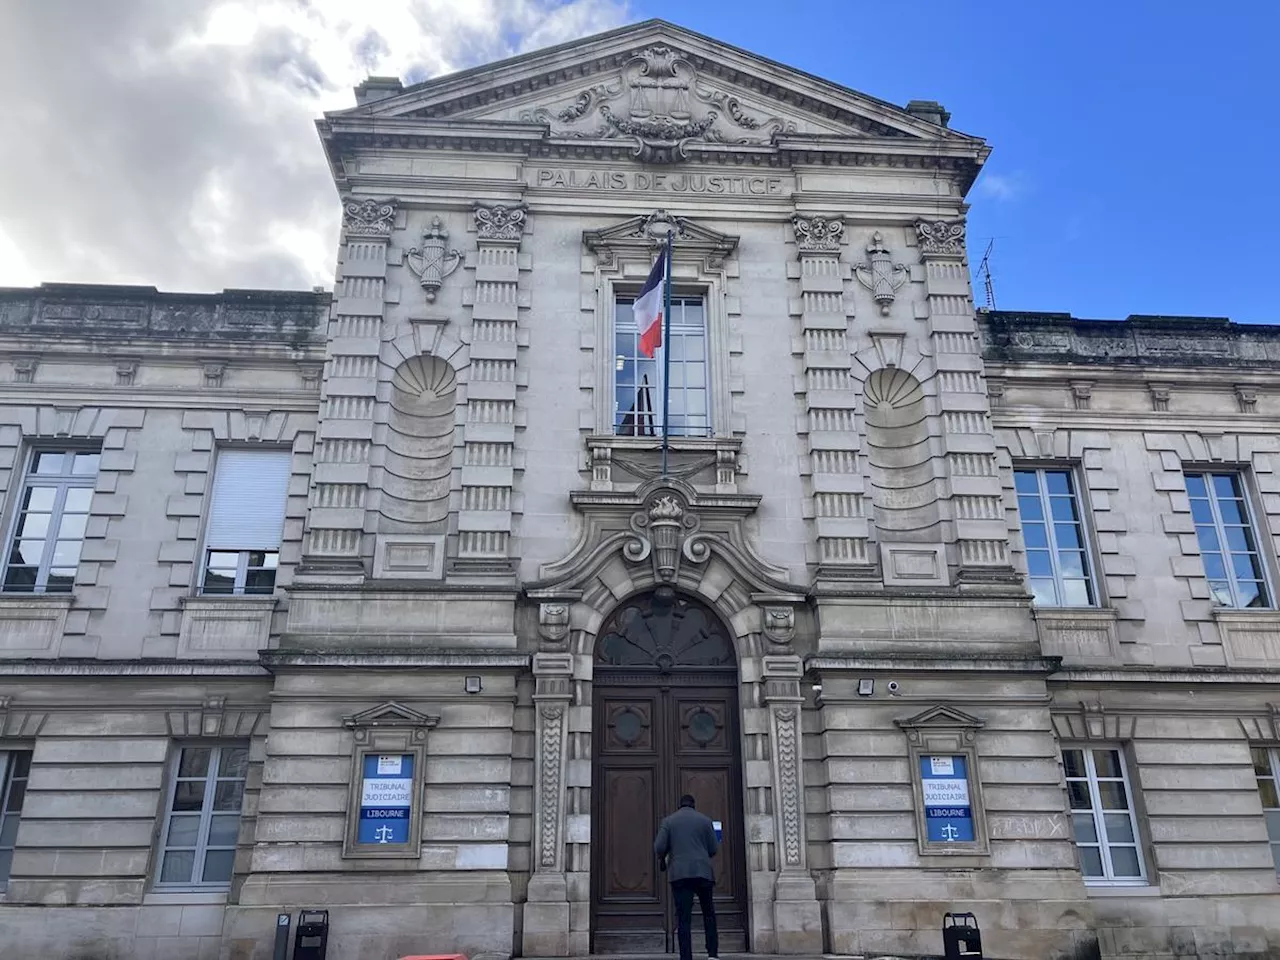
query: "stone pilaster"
335, 516
489, 453
797, 915
547, 910
835, 501
977, 510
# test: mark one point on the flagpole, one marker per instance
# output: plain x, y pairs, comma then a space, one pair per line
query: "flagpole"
666, 355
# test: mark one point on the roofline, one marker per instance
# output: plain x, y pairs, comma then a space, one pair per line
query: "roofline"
655, 24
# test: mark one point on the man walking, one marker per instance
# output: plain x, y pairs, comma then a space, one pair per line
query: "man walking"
685, 844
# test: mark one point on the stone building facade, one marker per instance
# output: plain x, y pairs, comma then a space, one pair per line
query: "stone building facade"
385, 601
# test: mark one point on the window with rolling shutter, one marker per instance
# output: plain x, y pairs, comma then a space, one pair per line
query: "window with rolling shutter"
246, 521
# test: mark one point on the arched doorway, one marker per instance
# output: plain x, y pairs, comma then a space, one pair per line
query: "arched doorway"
665, 723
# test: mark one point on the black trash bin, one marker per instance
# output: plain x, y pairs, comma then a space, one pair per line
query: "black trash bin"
312, 939
961, 938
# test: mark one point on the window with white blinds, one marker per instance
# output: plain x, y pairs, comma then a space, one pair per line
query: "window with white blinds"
246, 521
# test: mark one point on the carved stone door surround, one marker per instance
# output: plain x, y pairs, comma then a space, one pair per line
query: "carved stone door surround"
667, 534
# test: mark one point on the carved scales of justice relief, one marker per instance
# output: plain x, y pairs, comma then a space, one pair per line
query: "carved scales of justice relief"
659, 103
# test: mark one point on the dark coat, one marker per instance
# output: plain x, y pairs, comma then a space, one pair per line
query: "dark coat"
687, 842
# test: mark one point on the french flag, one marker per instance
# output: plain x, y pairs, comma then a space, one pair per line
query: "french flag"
648, 307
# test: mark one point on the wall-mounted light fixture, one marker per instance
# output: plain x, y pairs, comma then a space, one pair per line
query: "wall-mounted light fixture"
473, 685
866, 687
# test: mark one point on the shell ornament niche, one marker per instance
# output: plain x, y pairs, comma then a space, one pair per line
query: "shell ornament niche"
898, 455
419, 459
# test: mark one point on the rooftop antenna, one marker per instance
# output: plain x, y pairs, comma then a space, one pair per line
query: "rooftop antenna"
984, 271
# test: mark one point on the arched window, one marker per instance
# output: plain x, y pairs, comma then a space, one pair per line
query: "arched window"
664, 631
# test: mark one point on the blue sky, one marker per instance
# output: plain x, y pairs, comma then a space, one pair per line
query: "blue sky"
1134, 166
1135, 163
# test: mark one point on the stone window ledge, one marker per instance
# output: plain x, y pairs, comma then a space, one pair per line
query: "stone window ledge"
191, 898
38, 601
32, 624
225, 627
1249, 638
618, 462
1113, 889
1079, 635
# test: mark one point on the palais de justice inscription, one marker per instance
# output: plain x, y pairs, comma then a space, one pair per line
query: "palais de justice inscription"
729, 184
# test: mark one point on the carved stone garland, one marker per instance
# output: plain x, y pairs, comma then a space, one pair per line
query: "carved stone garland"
552, 739
785, 723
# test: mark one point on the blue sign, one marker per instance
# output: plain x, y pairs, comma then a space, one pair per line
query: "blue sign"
386, 799
948, 816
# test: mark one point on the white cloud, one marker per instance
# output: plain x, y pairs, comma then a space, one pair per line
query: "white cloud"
174, 143
1001, 186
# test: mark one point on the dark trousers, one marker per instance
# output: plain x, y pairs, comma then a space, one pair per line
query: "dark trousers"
684, 891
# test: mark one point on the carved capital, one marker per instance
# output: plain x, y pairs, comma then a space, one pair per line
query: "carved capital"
1160, 394
310, 374
368, 218
816, 234
126, 372
941, 238
1082, 393
213, 373
24, 369
1247, 397
500, 222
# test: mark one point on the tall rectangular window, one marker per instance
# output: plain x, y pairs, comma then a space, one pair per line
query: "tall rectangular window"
1228, 542
202, 816
1102, 814
1058, 566
1266, 764
637, 379
246, 522
15, 767
53, 509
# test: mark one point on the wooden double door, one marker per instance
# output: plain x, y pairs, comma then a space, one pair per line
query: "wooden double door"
657, 738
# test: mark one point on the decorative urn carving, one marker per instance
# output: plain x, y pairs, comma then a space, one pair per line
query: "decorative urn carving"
664, 531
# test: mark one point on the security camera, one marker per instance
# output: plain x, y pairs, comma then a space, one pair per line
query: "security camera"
892, 686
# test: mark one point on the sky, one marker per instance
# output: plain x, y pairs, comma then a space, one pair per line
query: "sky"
173, 143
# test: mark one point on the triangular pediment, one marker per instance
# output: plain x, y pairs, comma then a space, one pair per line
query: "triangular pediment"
641, 236
664, 89
390, 714
941, 718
